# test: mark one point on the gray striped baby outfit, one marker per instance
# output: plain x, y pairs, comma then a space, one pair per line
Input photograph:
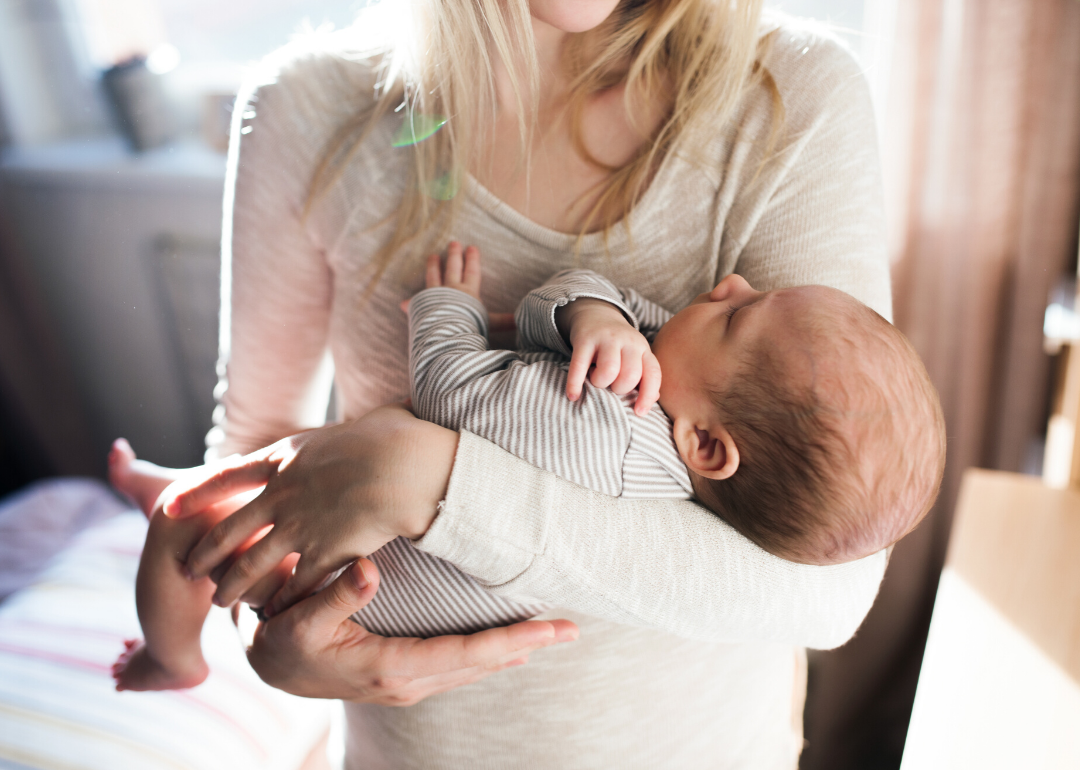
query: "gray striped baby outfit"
517, 400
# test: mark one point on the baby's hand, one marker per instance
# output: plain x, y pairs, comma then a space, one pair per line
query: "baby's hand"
600, 334
462, 271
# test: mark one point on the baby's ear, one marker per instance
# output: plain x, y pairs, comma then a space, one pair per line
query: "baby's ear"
708, 451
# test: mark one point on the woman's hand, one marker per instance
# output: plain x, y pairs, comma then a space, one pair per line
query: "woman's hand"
332, 494
313, 649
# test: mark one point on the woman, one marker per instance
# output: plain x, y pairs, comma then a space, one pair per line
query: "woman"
725, 151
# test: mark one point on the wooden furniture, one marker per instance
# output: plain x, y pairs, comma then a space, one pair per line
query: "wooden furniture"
1000, 679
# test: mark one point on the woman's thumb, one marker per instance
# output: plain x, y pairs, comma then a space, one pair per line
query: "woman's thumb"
349, 592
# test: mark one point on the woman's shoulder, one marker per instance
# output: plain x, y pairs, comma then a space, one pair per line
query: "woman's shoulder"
313, 83
811, 65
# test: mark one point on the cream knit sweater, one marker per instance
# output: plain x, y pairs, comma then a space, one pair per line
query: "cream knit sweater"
691, 636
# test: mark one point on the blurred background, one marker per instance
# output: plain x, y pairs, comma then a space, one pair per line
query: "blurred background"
114, 117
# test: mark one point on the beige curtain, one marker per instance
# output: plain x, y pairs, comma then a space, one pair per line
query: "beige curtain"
981, 148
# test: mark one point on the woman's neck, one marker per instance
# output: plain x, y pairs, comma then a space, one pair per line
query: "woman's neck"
553, 83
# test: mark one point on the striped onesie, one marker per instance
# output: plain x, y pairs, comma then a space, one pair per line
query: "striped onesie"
517, 400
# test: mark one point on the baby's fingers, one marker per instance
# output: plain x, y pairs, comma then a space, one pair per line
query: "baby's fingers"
470, 278
580, 362
454, 265
433, 273
608, 364
629, 372
649, 389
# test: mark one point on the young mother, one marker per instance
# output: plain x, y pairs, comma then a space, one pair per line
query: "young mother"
663, 143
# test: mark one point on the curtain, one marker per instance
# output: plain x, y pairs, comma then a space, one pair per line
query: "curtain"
981, 152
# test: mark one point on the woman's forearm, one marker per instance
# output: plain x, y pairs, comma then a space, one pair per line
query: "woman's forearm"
670, 565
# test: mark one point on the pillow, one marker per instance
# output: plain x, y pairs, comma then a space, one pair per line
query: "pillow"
58, 706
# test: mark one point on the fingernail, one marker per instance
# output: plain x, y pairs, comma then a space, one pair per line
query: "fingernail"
171, 508
217, 601
362, 581
186, 572
569, 635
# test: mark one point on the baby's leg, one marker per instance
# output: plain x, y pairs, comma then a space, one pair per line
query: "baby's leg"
140, 480
171, 610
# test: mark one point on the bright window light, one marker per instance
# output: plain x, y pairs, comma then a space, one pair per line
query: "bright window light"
163, 59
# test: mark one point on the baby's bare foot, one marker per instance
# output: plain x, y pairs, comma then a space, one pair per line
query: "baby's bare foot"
136, 670
138, 479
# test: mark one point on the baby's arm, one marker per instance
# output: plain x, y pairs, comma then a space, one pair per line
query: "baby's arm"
515, 400
171, 607
171, 610
448, 343
583, 315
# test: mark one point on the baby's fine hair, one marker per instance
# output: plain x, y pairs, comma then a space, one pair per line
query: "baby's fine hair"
841, 466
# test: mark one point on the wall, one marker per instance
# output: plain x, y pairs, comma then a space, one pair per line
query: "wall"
125, 250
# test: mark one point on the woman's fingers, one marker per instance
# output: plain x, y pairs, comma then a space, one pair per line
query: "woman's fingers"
433, 272
262, 593
323, 613
314, 649
580, 361
649, 389
249, 568
304, 581
486, 649
218, 544
186, 498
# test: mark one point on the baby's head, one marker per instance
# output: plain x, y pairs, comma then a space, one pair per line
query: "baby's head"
807, 420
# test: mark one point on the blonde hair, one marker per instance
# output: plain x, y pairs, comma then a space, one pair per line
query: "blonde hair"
700, 54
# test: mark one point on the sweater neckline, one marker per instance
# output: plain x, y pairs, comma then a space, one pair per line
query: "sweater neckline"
591, 243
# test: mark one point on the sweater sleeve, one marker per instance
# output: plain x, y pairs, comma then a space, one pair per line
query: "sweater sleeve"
813, 214
274, 368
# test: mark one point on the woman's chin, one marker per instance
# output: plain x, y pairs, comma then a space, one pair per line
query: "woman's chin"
572, 15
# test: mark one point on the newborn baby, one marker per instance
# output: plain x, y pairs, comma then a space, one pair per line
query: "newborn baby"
804, 419
800, 416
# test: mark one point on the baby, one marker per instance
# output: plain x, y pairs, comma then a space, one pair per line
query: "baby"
799, 416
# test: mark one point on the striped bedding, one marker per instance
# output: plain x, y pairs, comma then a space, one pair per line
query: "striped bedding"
58, 708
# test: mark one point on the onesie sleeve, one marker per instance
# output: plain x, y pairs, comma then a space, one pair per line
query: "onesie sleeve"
535, 316
448, 350
517, 401
811, 214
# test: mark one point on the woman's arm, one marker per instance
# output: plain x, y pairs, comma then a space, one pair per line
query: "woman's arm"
276, 299
811, 214
673, 565
276, 283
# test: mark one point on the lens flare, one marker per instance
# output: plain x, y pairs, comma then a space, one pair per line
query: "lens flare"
443, 188
417, 128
